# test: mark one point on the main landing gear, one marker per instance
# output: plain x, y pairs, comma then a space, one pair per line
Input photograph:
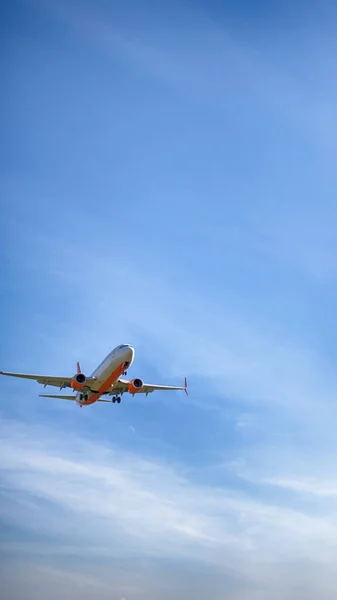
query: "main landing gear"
116, 399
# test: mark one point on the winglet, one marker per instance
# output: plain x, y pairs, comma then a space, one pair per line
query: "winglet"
78, 368
185, 387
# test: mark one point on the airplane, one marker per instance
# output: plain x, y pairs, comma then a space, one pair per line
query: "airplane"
104, 381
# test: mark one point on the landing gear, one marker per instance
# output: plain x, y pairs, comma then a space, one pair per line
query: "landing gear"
116, 399
126, 365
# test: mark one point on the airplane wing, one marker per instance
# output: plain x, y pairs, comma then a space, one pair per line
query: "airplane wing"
57, 396
60, 382
122, 386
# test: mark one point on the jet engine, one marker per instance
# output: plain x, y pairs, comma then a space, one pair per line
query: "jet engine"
135, 386
78, 381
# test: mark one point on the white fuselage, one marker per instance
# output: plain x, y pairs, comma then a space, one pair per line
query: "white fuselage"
107, 374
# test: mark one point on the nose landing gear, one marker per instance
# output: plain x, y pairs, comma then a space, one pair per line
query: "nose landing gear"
126, 365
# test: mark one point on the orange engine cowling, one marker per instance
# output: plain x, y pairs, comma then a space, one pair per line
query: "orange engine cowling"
78, 381
135, 386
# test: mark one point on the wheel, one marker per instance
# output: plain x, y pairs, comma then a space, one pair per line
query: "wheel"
114, 399
119, 399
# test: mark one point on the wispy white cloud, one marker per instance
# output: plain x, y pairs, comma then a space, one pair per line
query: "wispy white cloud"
297, 473
307, 486
147, 505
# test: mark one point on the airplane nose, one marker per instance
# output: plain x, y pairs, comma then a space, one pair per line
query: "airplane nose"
129, 352
128, 356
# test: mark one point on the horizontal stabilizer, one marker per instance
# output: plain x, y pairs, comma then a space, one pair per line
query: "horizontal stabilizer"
57, 396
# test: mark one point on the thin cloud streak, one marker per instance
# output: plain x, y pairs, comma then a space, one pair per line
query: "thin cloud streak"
213, 65
256, 364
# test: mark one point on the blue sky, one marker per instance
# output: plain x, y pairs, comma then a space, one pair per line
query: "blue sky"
168, 179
